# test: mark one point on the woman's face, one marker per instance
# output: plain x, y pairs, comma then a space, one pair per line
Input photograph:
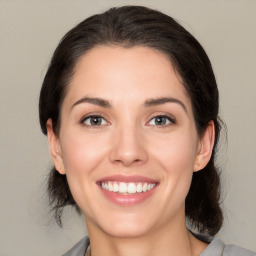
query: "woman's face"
128, 142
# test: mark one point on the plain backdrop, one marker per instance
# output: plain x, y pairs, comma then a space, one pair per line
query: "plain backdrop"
29, 33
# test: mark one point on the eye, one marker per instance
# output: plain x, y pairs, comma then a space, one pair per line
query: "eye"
161, 120
94, 121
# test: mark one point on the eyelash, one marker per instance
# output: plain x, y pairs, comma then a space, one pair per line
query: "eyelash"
170, 121
167, 118
90, 118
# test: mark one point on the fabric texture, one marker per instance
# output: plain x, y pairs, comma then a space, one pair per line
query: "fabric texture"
215, 248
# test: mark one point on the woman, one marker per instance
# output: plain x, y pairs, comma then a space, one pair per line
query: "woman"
130, 107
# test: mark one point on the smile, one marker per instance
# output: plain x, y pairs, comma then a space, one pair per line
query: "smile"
127, 188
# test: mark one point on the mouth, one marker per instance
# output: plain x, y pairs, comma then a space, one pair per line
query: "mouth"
127, 190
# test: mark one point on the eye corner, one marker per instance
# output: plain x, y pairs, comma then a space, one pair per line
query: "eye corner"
94, 121
161, 120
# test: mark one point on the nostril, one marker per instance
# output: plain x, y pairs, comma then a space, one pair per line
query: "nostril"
127, 150
128, 162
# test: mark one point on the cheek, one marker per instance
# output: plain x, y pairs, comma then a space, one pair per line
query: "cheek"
178, 163
176, 155
177, 152
81, 156
81, 153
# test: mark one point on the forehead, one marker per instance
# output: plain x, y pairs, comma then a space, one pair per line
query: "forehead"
111, 70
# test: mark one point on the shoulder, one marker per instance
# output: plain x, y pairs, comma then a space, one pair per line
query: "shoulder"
215, 248
79, 249
218, 248
234, 250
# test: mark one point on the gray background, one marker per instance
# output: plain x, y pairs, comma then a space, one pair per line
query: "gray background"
30, 31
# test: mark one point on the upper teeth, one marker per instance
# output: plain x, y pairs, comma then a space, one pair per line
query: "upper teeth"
127, 188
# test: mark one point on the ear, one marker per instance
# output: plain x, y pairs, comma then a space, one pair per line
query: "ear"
55, 148
205, 147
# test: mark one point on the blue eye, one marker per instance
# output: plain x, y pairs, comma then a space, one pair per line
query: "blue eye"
161, 120
94, 121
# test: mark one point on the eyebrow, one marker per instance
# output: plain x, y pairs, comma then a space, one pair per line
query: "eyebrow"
159, 101
148, 103
95, 101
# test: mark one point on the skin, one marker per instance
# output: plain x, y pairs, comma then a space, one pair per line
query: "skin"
127, 140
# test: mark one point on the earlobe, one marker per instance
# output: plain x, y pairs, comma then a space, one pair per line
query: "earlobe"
205, 147
55, 148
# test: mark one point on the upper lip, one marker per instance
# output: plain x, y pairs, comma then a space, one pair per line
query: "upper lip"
125, 178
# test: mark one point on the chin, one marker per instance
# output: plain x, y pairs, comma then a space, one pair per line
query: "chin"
128, 230
125, 225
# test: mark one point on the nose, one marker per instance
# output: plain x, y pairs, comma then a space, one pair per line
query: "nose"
128, 148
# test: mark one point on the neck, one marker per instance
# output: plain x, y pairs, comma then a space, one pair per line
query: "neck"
173, 239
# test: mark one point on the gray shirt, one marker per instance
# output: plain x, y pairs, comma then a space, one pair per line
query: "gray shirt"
215, 248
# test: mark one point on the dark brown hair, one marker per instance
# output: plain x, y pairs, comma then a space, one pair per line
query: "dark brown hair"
130, 26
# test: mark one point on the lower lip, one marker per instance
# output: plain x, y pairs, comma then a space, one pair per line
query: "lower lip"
127, 200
